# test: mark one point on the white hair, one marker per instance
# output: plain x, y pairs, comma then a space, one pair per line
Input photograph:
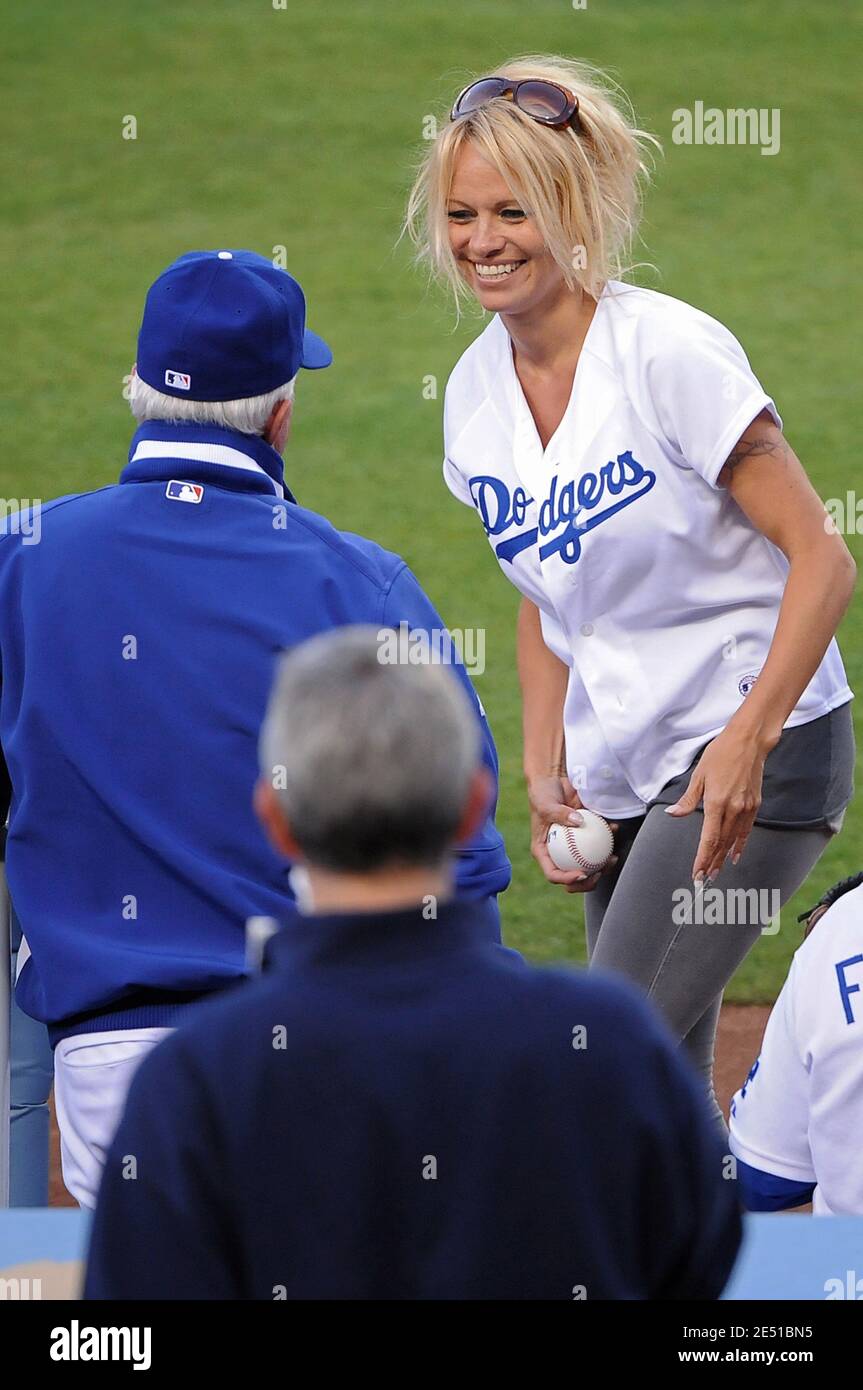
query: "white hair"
248, 416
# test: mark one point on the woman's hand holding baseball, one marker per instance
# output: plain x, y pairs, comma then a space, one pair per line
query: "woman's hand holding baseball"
554, 801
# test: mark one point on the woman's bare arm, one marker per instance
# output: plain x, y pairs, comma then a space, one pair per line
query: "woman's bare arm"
769, 484
553, 799
543, 678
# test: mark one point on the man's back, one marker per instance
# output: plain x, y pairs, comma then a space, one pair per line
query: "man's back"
137, 642
398, 1111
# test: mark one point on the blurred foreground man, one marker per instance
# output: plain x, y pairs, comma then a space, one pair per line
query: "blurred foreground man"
398, 1108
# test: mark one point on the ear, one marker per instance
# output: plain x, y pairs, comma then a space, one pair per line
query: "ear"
275, 822
479, 798
815, 916
278, 425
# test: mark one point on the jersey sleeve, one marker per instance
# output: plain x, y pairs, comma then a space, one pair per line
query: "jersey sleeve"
770, 1114
700, 391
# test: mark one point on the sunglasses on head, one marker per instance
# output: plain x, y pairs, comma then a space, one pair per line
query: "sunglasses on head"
543, 101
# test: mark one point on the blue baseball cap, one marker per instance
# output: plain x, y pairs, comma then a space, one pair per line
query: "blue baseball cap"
224, 325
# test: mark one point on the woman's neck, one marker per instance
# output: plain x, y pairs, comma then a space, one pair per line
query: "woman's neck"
550, 337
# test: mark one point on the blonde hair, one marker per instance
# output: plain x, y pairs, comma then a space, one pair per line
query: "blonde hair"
583, 189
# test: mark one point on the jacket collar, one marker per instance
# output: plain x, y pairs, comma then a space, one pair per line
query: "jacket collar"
378, 938
205, 453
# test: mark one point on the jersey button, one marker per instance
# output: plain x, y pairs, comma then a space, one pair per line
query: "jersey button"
606, 772
587, 629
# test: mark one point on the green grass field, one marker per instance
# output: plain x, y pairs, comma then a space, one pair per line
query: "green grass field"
259, 127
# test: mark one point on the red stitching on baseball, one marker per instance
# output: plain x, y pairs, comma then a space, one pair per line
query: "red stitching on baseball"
588, 865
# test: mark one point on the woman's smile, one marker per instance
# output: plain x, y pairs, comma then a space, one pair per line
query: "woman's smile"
489, 271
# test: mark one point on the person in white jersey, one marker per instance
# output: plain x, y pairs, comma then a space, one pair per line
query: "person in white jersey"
797, 1123
681, 581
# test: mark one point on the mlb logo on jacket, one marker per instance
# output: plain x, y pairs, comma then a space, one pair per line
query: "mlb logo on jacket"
184, 492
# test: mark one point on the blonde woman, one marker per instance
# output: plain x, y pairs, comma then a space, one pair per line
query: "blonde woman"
681, 591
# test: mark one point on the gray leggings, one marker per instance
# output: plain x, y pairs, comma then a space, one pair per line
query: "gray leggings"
684, 968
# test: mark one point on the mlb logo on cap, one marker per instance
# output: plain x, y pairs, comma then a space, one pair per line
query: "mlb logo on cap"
236, 321
184, 492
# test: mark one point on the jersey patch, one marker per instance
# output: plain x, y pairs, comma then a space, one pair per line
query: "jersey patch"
184, 492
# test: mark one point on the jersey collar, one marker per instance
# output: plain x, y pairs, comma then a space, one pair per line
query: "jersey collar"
205, 453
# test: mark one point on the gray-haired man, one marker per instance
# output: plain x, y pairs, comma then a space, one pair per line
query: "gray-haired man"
137, 643
398, 1108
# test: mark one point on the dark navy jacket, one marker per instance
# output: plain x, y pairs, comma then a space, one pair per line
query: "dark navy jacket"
399, 1109
137, 641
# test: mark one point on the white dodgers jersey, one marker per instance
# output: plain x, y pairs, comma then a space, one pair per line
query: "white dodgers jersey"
800, 1114
653, 586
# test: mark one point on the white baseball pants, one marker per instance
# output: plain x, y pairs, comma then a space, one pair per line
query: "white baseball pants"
92, 1075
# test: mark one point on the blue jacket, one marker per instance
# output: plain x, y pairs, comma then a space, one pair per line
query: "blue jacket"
138, 639
399, 1109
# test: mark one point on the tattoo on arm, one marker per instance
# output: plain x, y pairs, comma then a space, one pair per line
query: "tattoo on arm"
751, 448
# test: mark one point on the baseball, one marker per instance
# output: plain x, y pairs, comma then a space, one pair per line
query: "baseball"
587, 847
